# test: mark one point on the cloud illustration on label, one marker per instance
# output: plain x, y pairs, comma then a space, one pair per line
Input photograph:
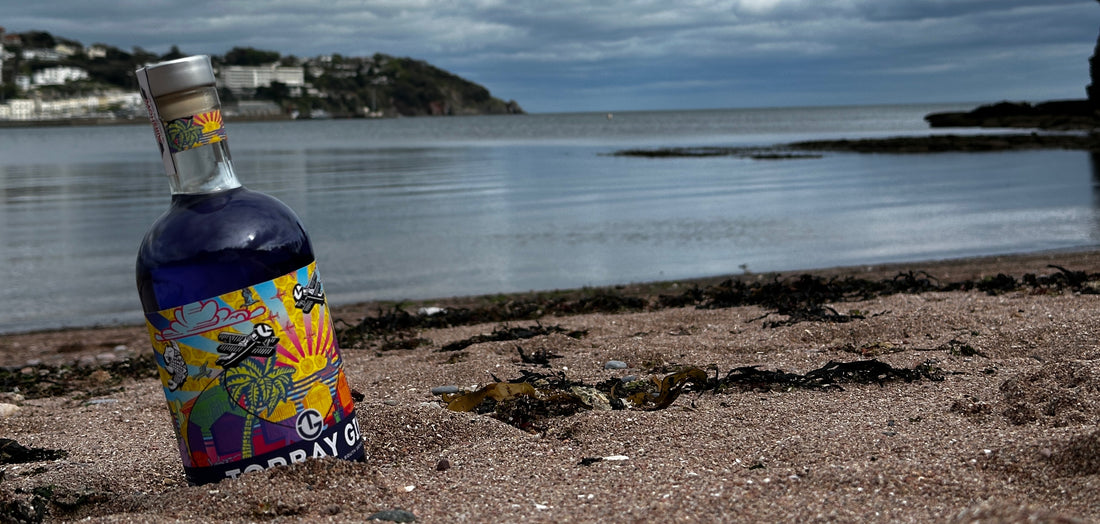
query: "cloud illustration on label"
203, 316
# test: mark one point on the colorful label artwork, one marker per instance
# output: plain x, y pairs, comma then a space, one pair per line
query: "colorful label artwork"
194, 131
254, 379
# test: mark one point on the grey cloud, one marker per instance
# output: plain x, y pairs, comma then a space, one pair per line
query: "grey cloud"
629, 45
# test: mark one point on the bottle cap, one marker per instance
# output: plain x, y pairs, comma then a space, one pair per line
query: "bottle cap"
179, 75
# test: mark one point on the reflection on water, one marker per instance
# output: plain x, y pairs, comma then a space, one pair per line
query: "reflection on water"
1094, 162
444, 213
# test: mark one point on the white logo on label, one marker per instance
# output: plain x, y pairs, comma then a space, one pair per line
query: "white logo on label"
309, 424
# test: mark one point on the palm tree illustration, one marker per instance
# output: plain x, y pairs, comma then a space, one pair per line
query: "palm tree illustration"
262, 386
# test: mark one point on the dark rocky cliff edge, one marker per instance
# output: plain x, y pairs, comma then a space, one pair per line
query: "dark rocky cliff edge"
1053, 115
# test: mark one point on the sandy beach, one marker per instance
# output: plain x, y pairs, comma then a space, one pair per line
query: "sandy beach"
956, 391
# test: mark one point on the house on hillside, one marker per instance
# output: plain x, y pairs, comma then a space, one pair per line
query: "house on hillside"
42, 55
52, 76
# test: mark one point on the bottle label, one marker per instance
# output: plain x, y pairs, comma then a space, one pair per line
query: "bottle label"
254, 379
194, 131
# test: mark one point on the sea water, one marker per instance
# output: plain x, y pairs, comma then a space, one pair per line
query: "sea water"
434, 207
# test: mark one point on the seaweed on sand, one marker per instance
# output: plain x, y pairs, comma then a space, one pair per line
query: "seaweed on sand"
534, 397
802, 298
12, 452
511, 333
397, 322
51, 380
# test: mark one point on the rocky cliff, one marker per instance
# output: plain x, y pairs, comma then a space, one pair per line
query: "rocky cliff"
1053, 115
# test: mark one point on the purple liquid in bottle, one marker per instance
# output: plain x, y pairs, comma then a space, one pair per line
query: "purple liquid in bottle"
212, 243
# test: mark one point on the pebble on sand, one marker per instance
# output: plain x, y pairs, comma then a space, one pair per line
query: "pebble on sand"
444, 390
7, 410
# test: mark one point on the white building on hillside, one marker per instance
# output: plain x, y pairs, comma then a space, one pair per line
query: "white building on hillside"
18, 109
103, 105
52, 76
96, 51
243, 79
44, 55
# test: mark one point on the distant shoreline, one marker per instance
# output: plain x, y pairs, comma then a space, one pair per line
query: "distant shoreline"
83, 122
892, 145
1066, 124
71, 122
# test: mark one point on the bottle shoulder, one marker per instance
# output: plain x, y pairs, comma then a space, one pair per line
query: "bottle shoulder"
238, 219
207, 245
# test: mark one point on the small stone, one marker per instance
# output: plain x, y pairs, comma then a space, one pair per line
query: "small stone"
628, 379
7, 410
100, 377
331, 509
592, 398
444, 390
393, 515
429, 311
443, 465
615, 364
121, 347
96, 401
106, 358
390, 402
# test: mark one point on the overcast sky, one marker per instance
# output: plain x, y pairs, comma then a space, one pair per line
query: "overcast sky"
614, 55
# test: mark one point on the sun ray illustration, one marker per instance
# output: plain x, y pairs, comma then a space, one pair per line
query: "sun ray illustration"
211, 123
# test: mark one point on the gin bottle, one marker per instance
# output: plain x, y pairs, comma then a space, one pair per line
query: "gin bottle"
233, 301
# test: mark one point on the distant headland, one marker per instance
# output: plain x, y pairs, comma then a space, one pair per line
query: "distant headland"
51, 80
1060, 115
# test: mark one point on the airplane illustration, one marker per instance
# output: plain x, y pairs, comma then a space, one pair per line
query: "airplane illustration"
307, 297
259, 343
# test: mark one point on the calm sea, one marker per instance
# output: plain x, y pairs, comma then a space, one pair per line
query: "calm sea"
435, 207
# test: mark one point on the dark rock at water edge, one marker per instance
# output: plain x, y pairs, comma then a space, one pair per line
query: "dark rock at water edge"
956, 143
1052, 115
896, 145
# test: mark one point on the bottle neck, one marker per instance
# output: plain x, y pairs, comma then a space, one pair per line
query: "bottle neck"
204, 169
193, 134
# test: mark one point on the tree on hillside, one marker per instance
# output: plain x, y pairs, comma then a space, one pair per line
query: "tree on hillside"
172, 54
38, 40
247, 56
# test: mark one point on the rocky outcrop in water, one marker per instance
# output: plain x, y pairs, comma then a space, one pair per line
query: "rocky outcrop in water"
1053, 115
